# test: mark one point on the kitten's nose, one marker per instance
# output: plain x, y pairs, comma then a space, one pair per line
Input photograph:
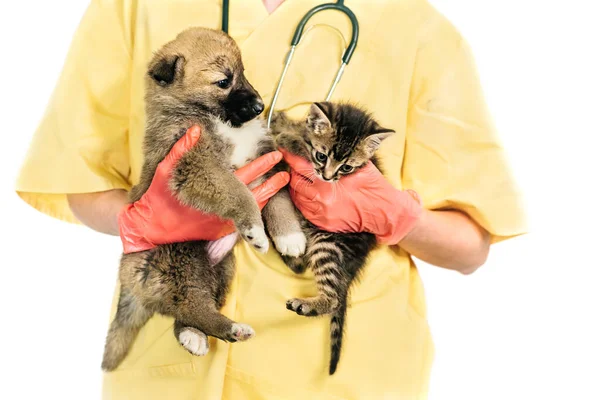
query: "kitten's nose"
258, 107
328, 173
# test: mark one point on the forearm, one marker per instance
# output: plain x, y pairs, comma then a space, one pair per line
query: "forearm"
448, 239
99, 210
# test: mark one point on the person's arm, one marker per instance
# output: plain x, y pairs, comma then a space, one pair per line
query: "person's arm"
448, 239
99, 210
454, 158
366, 202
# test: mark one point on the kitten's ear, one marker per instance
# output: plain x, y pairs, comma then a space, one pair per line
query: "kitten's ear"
166, 69
317, 119
373, 141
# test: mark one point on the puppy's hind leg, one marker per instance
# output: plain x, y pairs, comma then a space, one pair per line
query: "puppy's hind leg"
193, 340
204, 318
129, 319
205, 295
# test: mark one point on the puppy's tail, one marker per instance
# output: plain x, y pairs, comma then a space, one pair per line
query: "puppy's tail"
129, 319
338, 320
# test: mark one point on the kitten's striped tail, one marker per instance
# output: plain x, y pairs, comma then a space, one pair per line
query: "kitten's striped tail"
338, 320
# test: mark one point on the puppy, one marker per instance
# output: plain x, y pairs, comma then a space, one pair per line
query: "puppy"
198, 79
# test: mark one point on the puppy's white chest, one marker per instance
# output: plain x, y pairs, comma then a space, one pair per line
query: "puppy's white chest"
245, 140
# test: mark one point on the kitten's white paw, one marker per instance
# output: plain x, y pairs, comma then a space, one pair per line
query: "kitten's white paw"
293, 244
241, 332
257, 237
194, 341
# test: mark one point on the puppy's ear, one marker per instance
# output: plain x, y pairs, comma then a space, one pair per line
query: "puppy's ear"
317, 118
166, 69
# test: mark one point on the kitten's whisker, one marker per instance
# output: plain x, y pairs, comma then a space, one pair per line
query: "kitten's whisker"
298, 184
306, 181
335, 190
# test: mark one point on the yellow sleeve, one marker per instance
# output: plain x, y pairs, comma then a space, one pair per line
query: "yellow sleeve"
454, 157
81, 145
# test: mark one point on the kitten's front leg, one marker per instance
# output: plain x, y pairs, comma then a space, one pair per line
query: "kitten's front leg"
281, 220
295, 144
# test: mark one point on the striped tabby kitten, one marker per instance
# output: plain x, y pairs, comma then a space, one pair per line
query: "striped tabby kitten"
338, 139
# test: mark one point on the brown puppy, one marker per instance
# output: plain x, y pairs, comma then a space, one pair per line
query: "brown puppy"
198, 78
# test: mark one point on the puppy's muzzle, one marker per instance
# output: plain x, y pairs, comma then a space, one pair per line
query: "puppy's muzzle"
258, 107
242, 105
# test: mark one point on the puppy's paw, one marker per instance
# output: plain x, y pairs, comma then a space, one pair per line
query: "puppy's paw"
293, 244
240, 332
194, 341
257, 237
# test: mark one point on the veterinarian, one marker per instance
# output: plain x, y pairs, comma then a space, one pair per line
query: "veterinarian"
411, 67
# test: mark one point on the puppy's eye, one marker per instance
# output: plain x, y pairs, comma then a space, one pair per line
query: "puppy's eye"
320, 157
346, 168
223, 83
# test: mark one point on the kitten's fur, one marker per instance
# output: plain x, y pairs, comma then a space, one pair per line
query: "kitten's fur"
346, 135
198, 79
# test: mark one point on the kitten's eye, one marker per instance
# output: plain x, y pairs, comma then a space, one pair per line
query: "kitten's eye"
346, 168
223, 83
320, 157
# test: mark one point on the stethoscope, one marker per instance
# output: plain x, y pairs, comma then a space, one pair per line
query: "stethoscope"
298, 35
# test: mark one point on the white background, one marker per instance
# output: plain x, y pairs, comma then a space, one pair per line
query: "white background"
525, 326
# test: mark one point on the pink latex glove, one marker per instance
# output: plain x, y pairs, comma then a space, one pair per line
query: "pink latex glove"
361, 202
159, 218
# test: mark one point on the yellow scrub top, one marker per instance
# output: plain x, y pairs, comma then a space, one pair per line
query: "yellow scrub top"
411, 67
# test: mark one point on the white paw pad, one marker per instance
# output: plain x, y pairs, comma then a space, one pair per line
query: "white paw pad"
242, 332
257, 237
293, 244
194, 341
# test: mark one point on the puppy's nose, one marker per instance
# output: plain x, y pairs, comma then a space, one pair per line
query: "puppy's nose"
258, 107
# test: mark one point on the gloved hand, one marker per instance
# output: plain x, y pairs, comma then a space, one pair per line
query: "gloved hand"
159, 218
361, 202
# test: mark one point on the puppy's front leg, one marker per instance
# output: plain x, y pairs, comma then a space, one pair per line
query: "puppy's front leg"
210, 187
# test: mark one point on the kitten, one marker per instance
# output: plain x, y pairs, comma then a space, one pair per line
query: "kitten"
338, 139
198, 79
